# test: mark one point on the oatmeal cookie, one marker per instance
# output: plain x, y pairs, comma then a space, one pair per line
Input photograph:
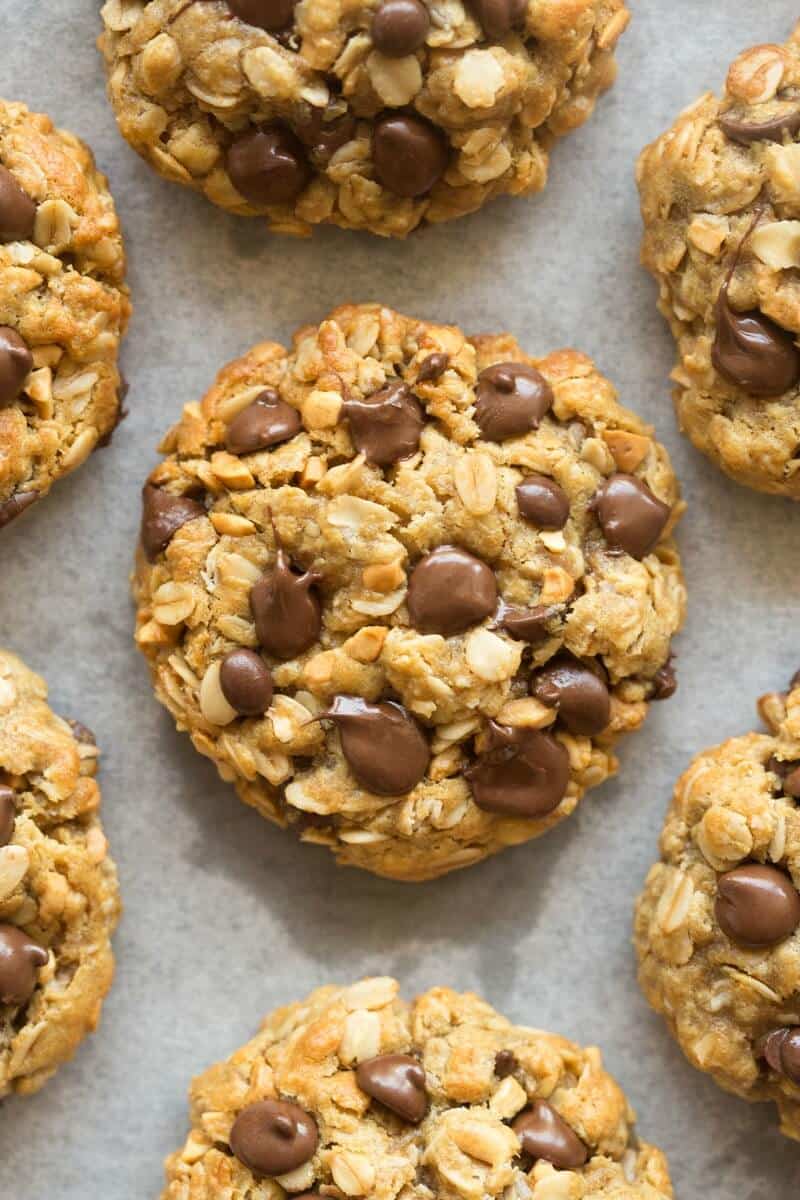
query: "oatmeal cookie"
63, 307
354, 1092
718, 924
368, 114
720, 198
59, 902
406, 588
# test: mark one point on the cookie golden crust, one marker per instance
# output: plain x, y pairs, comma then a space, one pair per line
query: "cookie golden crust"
398, 626
63, 307
718, 924
470, 1107
376, 114
59, 902
719, 195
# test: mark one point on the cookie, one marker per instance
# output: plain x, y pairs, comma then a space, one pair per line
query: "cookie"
407, 589
63, 307
720, 204
718, 924
59, 902
354, 1092
379, 115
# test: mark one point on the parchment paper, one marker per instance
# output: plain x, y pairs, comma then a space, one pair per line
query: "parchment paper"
227, 917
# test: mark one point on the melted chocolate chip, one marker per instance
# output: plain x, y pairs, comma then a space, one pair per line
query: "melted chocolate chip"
781, 1049
272, 15
20, 959
511, 399
17, 210
384, 746
631, 517
268, 166
11, 508
498, 17
543, 1133
324, 137
266, 422
580, 696
286, 609
757, 905
665, 682
410, 154
543, 502
387, 425
527, 624
753, 352
8, 814
16, 362
396, 1081
433, 367
400, 27
449, 590
505, 1063
522, 773
273, 1137
162, 516
246, 682
772, 130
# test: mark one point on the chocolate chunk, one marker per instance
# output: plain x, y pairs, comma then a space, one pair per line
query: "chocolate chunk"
17, 210
543, 1133
162, 516
20, 959
410, 155
781, 1049
264, 423
757, 905
11, 508
16, 362
772, 130
400, 27
396, 1081
286, 609
505, 1063
665, 681
433, 367
522, 773
384, 746
527, 624
386, 426
542, 501
272, 15
273, 1137
268, 166
246, 682
449, 590
579, 695
8, 814
511, 400
498, 17
753, 352
631, 517
324, 137
791, 782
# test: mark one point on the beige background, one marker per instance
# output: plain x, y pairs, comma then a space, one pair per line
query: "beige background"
227, 917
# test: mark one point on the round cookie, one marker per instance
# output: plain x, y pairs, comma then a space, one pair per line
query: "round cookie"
63, 307
718, 924
379, 115
407, 589
59, 902
354, 1092
720, 204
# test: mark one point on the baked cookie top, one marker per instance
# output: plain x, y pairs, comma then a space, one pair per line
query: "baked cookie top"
718, 925
354, 1092
407, 588
369, 114
720, 198
63, 307
59, 902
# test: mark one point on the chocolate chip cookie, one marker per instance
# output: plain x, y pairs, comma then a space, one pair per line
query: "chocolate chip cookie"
406, 588
354, 1092
63, 307
379, 115
59, 902
721, 211
718, 924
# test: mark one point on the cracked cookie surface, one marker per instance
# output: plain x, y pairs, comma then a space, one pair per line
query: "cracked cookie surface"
721, 211
439, 1099
718, 924
63, 307
59, 902
375, 114
407, 589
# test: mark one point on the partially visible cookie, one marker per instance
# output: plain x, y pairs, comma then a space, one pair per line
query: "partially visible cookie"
354, 1092
720, 196
63, 307
408, 589
59, 902
718, 924
377, 115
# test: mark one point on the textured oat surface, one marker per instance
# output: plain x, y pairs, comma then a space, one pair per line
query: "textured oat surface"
187, 79
57, 882
464, 1148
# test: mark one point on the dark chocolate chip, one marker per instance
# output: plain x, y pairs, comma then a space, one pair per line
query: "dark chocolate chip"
17, 210
527, 624
543, 502
631, 517
781, 1049
751, 351
396, 1081
268, 166
400, 27
324, 137
264, 423
522, 772
10, 509
286, 609
498, 17
8, 814
162, 516
665, 681
433, 367
791, 782
410, 154
543, 1133
449, 590
246, 682
384, 746
579, 695
274, 1137
272, 15
511, 399
772, 130
505, 1063
16, 362
387, 425
20, 959
757, 905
